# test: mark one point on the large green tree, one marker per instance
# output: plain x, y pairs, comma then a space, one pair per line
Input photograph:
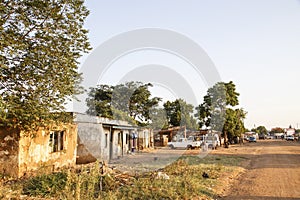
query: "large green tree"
132, 99
234, 123
40, 43
180, 113
99, 101
217, 110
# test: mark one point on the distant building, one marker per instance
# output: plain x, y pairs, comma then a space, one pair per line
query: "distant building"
289, 131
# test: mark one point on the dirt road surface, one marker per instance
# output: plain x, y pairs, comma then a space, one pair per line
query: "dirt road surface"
272, 168
273, 171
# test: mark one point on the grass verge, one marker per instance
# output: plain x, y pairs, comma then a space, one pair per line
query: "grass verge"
182, 179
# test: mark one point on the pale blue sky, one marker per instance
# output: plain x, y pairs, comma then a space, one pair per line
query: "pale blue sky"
256, 44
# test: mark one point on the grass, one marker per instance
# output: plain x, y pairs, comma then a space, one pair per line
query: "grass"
185, 182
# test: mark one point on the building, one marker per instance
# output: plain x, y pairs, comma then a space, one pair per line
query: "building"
106, 139
289, 131
86, 140
46, 149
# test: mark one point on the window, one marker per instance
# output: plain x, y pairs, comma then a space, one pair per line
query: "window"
106, 140
56, 141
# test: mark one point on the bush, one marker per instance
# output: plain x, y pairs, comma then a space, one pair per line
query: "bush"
45, 185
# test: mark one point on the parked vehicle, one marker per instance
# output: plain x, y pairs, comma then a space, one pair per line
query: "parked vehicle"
252, 139
187, 143
212, 141
262, 136
290, 137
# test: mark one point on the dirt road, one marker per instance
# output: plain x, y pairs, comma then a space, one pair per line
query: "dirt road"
272, 168
272, 173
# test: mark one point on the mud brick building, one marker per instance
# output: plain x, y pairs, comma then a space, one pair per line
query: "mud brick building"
48, 149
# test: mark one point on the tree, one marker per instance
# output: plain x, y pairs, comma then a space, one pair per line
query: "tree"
261, 130
141, 103
217, 110
40, 43
132, 99
99, 101
158, 118
179, 113
234, 125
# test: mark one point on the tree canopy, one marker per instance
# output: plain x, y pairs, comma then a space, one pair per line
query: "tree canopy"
132, 99
40, 43
180, 113
217, 110
261, 130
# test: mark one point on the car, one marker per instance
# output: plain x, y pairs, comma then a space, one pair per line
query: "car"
252, 139
188, 143
290, 137
262, 136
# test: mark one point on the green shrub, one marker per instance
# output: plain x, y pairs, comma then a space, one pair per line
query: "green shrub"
45, 185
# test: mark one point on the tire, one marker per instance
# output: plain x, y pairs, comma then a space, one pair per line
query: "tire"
172, 146
189, 147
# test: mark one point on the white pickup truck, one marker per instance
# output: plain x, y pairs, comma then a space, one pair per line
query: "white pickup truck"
212, 141
187, 143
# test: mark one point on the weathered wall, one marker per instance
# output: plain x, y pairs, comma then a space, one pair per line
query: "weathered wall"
35, 152
93, 143
9, 147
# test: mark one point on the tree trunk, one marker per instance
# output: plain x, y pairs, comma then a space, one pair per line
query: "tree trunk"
225, 140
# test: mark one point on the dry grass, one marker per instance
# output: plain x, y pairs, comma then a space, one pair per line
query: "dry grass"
183, 180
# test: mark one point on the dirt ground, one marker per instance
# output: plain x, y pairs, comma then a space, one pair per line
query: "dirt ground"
273, 171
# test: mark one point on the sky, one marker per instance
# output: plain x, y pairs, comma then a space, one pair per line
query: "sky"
255, 44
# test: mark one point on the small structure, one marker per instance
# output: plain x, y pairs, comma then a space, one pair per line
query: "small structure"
46, 149
167, 135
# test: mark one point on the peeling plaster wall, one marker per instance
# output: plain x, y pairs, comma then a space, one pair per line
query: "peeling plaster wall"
91, 143
9, 148
35, 152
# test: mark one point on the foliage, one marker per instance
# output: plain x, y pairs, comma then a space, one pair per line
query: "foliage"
261, 130
179, 113
40, 43
217, 110
45, 185
212, 111
158, 118
234, 125
99, 101
132, 99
